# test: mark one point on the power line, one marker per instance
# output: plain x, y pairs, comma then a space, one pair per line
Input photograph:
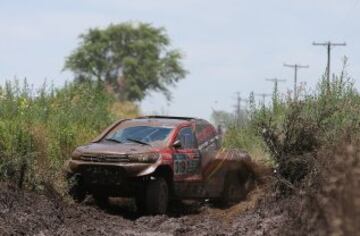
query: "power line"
329, 45
296, 67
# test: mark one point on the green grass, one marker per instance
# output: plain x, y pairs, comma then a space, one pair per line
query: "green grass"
39, 129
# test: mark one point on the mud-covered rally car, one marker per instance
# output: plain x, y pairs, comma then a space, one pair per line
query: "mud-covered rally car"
156, 160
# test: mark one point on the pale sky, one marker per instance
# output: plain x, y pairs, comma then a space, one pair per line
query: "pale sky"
229, 45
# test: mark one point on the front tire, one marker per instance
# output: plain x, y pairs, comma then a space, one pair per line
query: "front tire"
140, 201
76, 189
101, 200
157, 196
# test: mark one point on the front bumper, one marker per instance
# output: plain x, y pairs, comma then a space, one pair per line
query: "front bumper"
117, 180
127, 169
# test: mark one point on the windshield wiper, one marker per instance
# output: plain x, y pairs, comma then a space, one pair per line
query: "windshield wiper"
138, 141
113, 140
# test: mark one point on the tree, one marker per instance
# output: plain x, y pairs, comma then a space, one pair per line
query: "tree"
130, 59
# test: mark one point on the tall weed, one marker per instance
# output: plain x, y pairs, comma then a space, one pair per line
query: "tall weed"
39, 129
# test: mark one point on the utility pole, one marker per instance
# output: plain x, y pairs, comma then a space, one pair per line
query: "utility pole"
275, 91
296, 67
238, 106
329, 45
218, 121
246, 102
276, 82
239, 99
263, 95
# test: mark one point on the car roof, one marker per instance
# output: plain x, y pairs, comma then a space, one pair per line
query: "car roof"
171, 121
167, 117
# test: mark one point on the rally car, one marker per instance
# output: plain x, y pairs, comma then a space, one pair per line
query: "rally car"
158, 159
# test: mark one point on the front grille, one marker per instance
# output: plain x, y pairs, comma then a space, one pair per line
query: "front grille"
104, 158
102, 175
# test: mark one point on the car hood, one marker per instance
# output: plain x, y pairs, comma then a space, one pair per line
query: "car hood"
114, 148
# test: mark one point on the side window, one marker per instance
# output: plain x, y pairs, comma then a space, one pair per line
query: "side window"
187, 138
206, 136
201, 134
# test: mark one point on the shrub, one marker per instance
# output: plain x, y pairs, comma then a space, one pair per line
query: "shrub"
39, 129
292, 131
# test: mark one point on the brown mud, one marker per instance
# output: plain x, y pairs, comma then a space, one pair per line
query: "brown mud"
29, 213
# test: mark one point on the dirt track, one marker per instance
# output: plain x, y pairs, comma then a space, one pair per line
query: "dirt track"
26, 213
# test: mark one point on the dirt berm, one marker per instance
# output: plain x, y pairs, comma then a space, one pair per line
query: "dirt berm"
29, 213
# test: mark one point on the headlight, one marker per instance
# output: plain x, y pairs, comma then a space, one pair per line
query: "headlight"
144, 157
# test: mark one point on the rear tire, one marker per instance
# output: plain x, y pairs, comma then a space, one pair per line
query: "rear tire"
157, 196
250, 182
233, 191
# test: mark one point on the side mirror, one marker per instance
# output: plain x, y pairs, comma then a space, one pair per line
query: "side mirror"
177, 144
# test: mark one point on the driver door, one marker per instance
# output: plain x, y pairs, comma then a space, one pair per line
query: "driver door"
187, 163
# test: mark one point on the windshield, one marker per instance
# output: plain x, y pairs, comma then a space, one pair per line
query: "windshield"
151, 135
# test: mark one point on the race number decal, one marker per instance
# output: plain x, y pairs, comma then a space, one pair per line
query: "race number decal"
183, 165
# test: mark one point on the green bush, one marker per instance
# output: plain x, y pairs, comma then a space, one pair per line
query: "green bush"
40, 129
291, 131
